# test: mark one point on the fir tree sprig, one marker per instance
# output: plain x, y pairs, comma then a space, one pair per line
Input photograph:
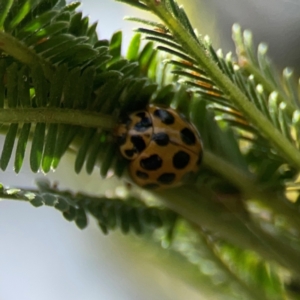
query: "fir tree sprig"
111, 213
176, 21
130, 215
57, 116
63, 89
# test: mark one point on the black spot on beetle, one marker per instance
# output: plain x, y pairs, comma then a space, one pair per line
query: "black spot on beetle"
166, 178
143, 125
130, 153
141, 175
161, 138
151, 163
187, 136
138, 143
164, 116
181, 159
141, 114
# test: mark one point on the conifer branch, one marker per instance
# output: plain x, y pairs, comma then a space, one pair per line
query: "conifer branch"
198, 52
247, 64
22, 53
68, 84
74, 117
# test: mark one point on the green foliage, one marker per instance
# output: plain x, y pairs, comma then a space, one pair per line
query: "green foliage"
248, 278
129, 215
62, 89
222, 142
72, 70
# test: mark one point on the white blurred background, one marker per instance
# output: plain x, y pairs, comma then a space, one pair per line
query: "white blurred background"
42, 256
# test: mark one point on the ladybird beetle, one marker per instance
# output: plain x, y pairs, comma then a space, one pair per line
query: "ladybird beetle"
162, 146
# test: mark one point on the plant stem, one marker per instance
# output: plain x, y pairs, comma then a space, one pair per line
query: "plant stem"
56, 116
199, 53
234, 175
225, 267
203, 212
24, 54
245, 182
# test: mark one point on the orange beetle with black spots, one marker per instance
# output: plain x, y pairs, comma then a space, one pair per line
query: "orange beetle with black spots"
162, 146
